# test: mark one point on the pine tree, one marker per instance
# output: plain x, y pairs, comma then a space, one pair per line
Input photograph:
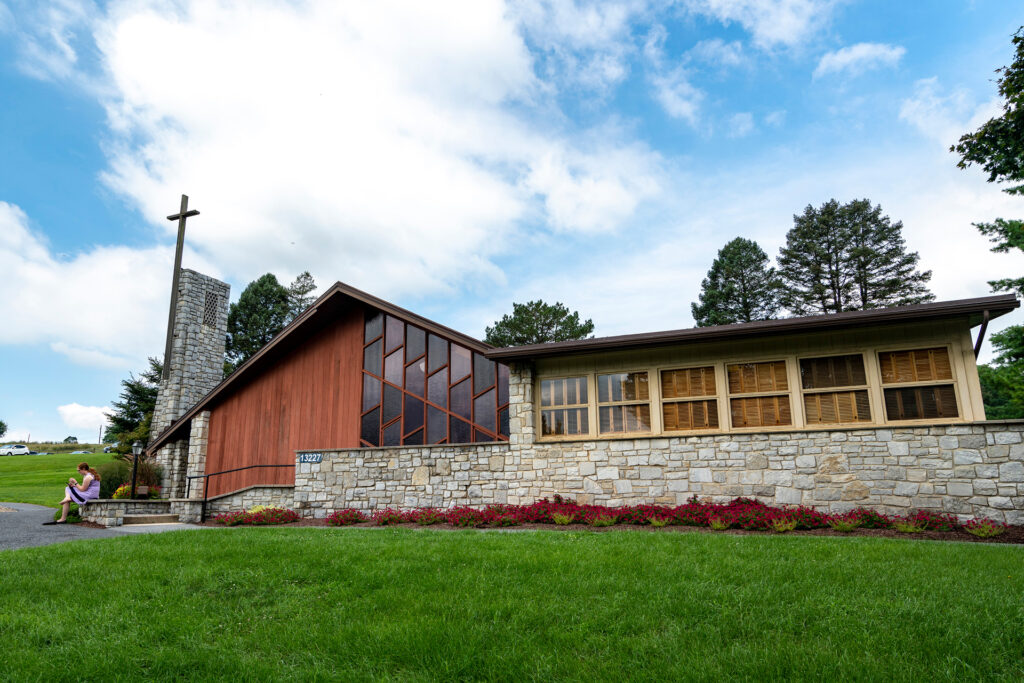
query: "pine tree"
260, 313
847, 257
740, 287
298, 294
132, 413
536, 322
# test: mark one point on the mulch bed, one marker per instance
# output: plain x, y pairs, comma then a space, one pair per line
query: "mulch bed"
1012, 535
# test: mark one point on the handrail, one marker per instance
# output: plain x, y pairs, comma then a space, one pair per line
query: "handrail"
206, 482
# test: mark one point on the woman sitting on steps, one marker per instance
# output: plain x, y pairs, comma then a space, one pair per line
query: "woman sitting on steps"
82, 493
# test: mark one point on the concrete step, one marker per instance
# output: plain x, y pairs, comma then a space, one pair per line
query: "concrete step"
150, 519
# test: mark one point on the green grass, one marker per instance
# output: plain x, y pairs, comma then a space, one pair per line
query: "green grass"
40, 479
371, 604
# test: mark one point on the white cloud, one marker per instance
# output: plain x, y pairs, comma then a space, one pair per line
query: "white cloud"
717, 52
741, 124
775, 118
368, 143
945, 116
104, 307
856, 59
771, 23
48, 34
77, 416
678, 97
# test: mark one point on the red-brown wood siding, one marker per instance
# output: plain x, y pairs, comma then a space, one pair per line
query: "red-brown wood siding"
306, 398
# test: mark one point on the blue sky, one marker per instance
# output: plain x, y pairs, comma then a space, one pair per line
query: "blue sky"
457, 157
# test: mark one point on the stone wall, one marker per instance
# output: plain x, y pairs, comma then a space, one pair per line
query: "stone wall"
969, 470
112, 512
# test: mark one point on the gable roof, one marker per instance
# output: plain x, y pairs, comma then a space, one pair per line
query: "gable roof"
335, 299
972, 309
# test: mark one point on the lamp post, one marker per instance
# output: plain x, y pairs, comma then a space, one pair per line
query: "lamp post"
136, 451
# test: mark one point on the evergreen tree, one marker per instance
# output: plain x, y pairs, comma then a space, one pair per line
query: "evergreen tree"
260, 313
847, 257
133, 412
3, 428
299, 297
536, 322
740, 287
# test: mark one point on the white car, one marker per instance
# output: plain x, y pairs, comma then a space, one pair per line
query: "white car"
14, 449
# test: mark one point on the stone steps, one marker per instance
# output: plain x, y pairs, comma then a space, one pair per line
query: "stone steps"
150, 519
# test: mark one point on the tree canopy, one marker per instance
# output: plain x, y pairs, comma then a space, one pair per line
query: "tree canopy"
262, 310
536, 322
998, 147
847, 257
299, 294
133, 411
740, 287
3, 428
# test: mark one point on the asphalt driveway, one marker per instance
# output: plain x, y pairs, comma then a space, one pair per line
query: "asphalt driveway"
21, 526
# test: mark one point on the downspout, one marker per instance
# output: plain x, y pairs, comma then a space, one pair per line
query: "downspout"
981, 334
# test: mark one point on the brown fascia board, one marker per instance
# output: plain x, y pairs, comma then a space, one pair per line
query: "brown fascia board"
973, 309
329, 301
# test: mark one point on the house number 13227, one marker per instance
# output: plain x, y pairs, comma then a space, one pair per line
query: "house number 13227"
311, 457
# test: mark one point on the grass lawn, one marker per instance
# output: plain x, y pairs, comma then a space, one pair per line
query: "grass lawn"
40, 479
369, 604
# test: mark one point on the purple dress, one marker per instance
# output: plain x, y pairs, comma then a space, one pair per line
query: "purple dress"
83, 497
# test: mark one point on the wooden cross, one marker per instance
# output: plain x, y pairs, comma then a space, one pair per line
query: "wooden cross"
181, 217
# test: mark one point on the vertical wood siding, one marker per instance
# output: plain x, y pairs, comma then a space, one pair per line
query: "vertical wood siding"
307, 398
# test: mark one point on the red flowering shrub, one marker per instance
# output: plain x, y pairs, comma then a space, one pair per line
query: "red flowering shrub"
263, 517
984, 528
870, 519
425, 516
388, 516
933, 521
346, 517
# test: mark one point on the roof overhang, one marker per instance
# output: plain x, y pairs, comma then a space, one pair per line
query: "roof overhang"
324, 310
972, 311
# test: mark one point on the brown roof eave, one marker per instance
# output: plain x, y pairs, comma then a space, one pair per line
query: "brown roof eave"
995, 305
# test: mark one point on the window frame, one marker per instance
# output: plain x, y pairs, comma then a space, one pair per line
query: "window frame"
589, 406
956, 380
794, 417
649, 402
718, 367
866, 387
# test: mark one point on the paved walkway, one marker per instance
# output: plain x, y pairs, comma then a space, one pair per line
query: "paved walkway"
24, 528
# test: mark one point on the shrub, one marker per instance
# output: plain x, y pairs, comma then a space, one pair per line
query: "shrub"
934, 521
125, 491
112, 475
426, 517
908, 525
658, 522
345, 517
845, 523
781, 524
984, 528
467, 516
869, 519
387, 516
601, 520
264, 517
719, 524
561, 519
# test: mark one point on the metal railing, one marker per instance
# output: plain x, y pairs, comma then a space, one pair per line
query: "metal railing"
206, 482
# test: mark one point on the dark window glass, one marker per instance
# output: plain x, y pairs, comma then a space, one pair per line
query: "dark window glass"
461, 359
461, 431
437, 354
414, 377
414, 439
392, 403
413, 414
483, 410
394, 334
502, 384
392, 434
483, 373
371, 358
437, 425
374, 325
833, 371
503, 422
437, 388
461, 399
393, 367
371, 392
480, 435
415, 342
921, 403
371, 427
